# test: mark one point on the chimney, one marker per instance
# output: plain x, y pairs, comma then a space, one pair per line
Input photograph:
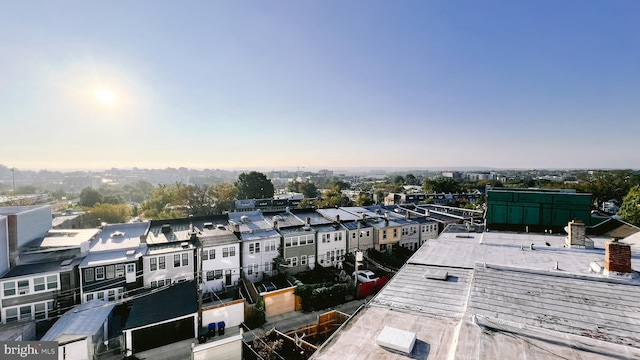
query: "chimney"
576, 231
308, 221
617, 257
338, 218
275, 224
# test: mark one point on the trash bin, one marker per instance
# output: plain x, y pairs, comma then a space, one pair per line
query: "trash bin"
212, 330
221, 328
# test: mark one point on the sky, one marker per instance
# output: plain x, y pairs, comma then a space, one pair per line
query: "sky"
319, 84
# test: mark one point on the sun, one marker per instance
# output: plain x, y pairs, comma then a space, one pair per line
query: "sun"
105, 96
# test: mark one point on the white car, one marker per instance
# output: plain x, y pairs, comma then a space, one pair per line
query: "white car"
367, 276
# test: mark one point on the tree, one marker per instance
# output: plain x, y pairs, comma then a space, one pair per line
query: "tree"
225, 196
398, 180
306, 188
89, 197
333, 198
164, 203
630, 208
363, 200
254, 185
109, 213
410, 179
440, 185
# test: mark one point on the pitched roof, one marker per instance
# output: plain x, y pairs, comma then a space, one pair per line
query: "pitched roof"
177, 300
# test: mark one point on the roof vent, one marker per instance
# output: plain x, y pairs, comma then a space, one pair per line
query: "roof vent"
244, 218
67, 262
208, 225
220, 227
396, 339
130, 252
436, 274
184, 245
165, 228
117, 234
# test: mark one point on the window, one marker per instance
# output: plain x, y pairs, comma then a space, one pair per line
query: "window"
153, 264
218, 274
205, 255
89, 297
11, 315
119, 271
88, 275
384, 234
257, 247
210, 275
287, 242
250, 270
154, 284
395, 233
99, 273
25, 313
271, 245
40, 311
176, 260
38, 284
212, 254
111, 273
328, 256
112, 295
52, 282
232, 251
267, 266
294, 261
225, 252
303, 240
303, 260
23, 287
353, 235
294, 241
9, 288
255, 269
162, 262
367, 232
251, 248
160, 283
185, 259
131, 268
101, 295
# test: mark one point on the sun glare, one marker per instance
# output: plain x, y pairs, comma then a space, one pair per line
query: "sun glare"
105, 96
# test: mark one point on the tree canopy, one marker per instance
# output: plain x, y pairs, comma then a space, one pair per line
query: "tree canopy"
630, 209
306, 188
254, 185
89, 197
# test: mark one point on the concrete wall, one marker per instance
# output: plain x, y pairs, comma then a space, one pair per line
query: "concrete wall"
225, 349
231, 313
33, 223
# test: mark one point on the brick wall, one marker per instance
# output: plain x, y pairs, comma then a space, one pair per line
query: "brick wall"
617, 257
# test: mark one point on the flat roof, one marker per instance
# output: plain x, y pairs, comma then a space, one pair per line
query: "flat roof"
500, 299
41, 268
113, 257
331, 213
119, 236
68, 237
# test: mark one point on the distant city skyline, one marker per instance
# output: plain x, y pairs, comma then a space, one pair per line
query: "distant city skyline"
320, 84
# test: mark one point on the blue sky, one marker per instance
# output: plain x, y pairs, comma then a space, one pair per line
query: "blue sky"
282, 84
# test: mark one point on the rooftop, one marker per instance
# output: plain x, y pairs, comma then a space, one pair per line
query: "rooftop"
119, 237
41, 268
83, 320
471, 295
68, 238
152, 307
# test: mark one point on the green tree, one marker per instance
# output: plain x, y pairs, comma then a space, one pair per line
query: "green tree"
440, 185
398, 180
410, 179
306, 188
630, 208
254, 185
89, 197
363, 200
333, 198
109, 213
165, 202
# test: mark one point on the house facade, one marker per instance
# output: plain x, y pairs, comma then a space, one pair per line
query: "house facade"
260, 242
170, 255
38, 291
219, 255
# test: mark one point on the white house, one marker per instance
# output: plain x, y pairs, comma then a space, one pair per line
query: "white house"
260, 243
219, 255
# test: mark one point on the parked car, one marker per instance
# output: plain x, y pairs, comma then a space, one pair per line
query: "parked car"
367, 276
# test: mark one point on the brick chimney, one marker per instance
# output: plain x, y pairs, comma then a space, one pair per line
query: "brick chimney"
617, 257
